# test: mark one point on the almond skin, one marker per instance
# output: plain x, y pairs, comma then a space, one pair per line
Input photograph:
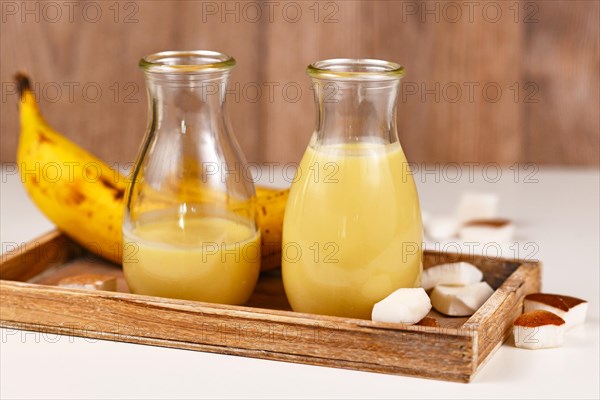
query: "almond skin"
491, 223
572, 301
429, 321
548, 299
561, 302
537, 318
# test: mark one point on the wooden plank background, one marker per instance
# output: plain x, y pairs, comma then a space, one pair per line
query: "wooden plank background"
497, 81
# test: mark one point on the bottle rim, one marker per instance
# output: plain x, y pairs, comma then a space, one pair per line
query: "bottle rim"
355, 69
187, 62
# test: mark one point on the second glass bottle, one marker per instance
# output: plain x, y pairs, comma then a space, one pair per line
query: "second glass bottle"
352, 230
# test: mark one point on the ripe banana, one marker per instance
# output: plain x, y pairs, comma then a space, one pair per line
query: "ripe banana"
84, 197
74, 189
269, 218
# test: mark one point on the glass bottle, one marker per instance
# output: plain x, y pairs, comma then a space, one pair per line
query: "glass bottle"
189, 229
352, 229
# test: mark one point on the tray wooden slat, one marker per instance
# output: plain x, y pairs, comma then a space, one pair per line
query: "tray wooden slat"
266, 327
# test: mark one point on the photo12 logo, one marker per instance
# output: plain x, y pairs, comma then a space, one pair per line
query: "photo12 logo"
469, 92
470, 11
70, 11
270, 11
73, 91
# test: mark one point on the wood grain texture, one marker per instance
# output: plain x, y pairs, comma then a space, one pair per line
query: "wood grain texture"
561, 50
266, 327
104, 54
269, 292
542, 51
241, 330
53, 248
494, 320
437, 122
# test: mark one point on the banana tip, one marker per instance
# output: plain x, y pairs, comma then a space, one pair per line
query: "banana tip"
23, 83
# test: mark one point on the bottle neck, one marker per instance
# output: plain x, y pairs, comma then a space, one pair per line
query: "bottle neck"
187, 105
355, 111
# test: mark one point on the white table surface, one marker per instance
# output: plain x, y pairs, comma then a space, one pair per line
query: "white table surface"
559, 214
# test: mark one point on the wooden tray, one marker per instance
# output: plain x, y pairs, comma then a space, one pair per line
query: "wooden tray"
266, 327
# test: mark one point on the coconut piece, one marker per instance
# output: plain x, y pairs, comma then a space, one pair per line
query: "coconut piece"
571, 309
459, 273
460, 301
441, 227
539, 329
90, 282
497, 230
406, 305
477, 206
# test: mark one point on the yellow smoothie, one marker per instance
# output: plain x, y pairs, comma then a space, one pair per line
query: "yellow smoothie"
212, 259
352, 229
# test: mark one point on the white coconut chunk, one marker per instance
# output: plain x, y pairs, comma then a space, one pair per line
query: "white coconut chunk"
477, 206
406, 306
571, 309
460, 301
441, 227
539, 329
487, 231
460, 273
576, 315
542, 337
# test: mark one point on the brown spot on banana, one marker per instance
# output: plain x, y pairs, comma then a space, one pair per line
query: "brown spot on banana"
75, 196
119, 195
119, 192
42, 138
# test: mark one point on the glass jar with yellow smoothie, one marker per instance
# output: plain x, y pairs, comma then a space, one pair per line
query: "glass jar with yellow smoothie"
189, 230
352, 230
